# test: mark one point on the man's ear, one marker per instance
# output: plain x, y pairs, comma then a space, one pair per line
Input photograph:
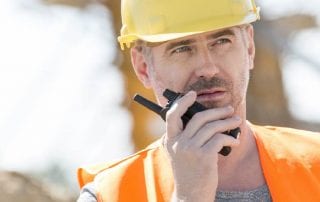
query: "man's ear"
140, 66
251, 45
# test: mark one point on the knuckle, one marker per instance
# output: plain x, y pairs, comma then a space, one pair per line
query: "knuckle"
170, 128
187, 150
208, 126
212, 126
197, 115
170, 118
220, 141
218, 126
169, 114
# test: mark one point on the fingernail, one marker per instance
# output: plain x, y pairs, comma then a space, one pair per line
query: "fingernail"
190, 93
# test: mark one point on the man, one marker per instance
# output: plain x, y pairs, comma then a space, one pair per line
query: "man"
204, 49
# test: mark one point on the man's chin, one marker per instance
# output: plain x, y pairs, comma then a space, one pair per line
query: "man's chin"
211, 105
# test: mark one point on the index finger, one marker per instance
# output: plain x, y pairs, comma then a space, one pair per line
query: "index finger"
173, 118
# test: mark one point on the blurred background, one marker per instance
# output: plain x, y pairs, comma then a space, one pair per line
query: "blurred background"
66, 88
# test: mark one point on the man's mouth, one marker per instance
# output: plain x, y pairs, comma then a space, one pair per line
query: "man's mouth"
210, 95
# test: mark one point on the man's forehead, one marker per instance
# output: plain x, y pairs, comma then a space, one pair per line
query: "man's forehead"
208, 35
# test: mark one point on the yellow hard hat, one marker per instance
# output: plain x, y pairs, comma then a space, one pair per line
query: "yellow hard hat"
163, 20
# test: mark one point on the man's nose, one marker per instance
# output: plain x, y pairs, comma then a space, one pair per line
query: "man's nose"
207, 64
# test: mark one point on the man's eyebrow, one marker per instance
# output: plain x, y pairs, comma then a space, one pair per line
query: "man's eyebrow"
179, 43
189, 41
221, 33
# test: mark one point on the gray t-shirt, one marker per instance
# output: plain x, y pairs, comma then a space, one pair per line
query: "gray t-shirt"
260, 194
87, 193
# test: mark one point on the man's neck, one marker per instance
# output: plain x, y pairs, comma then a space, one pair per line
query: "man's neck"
241, 169
238, 153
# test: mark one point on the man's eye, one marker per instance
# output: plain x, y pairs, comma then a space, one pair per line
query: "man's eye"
181, 49
223, 41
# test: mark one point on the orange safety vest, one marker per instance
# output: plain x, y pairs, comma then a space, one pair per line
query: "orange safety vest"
290, 161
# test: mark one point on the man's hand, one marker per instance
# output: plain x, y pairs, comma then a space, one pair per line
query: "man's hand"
194, 151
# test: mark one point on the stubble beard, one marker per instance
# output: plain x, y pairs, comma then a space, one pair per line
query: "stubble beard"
235, 94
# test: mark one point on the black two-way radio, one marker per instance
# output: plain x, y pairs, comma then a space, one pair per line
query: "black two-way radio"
194, 108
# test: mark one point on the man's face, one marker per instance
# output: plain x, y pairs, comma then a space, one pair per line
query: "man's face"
214, 64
